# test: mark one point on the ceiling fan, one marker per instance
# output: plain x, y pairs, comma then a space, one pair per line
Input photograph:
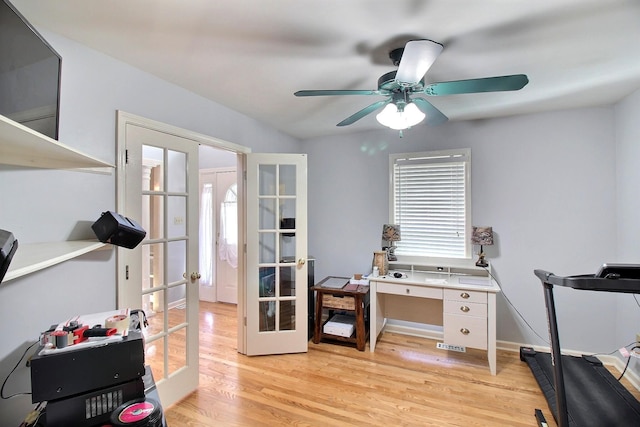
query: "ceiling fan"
401, 108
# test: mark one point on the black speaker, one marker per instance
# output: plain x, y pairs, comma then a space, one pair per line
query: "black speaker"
118, 230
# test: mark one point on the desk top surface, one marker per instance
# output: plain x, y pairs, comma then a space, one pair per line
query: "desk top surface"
442, 280
347, 289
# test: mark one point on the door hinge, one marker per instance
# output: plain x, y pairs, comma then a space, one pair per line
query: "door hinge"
126, 272
244, 175
245, 321
245, 248
126, 157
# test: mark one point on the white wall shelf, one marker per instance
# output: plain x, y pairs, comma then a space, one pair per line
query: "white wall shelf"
32, 257
22, 146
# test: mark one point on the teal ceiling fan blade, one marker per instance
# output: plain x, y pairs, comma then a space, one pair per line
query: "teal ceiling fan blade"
340, 92
366, 110
434, 116
487, 84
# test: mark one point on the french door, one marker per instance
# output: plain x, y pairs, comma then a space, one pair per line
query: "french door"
159, 179
276, 235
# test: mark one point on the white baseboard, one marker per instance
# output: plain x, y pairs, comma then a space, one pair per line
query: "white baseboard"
177, 303
606, 359
609, 360
416, 332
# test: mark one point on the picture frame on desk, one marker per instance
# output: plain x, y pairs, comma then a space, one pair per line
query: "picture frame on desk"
381, 261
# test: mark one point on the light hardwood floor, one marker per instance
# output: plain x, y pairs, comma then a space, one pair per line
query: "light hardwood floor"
405, 382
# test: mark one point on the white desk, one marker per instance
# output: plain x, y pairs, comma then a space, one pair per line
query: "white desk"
464, 305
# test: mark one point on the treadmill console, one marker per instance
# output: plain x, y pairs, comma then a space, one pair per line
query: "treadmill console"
619, 271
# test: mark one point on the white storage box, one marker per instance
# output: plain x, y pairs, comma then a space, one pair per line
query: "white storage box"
340, 325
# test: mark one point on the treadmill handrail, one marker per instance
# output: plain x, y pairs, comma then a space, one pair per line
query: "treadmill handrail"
590, 282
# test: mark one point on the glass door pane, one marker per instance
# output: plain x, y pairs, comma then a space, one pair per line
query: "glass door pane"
277, 309
164, 253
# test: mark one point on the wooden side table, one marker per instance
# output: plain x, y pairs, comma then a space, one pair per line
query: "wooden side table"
354, 300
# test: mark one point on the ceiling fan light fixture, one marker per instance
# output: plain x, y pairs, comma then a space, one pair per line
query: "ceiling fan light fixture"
398, 119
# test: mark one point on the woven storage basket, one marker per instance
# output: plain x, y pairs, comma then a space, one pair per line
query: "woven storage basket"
333, 301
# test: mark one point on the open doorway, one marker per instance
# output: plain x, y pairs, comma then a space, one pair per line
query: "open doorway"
218, 225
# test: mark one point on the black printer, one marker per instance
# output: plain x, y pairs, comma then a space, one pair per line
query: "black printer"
83, 386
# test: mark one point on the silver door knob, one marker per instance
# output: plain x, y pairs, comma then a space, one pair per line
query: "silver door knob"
301, 261
195, 276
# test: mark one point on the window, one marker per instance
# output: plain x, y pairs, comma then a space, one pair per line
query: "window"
430, 195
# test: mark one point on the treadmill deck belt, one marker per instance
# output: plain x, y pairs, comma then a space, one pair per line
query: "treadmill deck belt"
594, 396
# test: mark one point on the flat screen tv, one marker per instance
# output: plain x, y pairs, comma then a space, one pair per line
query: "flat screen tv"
29, 74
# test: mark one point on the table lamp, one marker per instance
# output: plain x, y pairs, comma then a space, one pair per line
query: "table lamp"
391, 233
482, 236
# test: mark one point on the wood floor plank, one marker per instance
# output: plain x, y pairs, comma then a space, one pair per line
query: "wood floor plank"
405, 382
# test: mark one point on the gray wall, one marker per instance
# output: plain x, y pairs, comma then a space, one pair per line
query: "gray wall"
49, 205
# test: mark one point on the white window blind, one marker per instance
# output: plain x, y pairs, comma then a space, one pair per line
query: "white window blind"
431, 203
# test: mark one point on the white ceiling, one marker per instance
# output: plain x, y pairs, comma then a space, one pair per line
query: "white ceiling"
252, 55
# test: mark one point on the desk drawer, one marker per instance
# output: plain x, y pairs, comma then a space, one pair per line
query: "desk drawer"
333, 301
410, 290
465, 308
462, 295
466, 331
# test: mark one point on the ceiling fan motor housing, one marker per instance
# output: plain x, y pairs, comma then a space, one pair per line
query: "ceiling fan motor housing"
388, 81
396, 55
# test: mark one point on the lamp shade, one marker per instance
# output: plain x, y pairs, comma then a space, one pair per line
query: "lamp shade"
482, 236
391, 232
400, 118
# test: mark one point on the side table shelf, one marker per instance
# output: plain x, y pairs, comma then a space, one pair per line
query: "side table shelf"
341, 300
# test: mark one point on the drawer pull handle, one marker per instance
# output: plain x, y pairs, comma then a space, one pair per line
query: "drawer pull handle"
465, 295
408, 291
465, 309
464, 331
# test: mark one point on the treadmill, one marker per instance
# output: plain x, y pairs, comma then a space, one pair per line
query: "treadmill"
580, 391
